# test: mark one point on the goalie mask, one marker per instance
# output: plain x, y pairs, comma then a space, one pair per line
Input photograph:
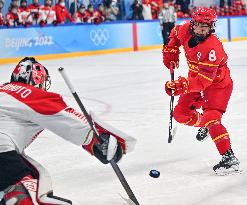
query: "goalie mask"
30, 72
202, 23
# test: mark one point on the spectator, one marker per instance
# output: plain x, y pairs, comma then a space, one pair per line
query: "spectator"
80, 14
99, 14
226, 11
25, 14
243, 10
155, 8
62, 13
35, 11
184, 5
111, 10
167, 17
12, 18
179, 12
74, 6
222, 11
147, 13
137, 10
48, 14
89, 14
14, 3
1, 13
224, 3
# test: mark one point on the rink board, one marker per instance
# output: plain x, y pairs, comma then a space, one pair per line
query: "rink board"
85, 39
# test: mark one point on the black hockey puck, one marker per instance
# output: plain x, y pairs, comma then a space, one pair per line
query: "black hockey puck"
154, 173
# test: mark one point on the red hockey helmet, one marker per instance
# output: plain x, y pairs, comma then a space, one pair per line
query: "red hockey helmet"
29, 71
204, 15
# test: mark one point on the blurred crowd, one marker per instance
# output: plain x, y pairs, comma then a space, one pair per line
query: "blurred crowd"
20, 13
150, 9
24, 14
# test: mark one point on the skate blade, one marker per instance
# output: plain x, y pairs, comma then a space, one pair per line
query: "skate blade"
231, 171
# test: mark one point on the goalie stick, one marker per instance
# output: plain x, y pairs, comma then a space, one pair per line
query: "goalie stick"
114, 165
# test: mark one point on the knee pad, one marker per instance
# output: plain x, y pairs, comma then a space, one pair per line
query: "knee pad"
43, 194
211, 117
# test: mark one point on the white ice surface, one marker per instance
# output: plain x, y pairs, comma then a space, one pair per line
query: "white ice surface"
127, 91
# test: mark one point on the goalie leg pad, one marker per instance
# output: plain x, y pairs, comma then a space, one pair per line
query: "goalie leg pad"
42, 194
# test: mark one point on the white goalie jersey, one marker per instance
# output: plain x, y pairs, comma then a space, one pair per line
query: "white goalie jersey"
25, 111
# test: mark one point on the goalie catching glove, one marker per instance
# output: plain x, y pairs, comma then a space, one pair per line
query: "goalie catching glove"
105, 149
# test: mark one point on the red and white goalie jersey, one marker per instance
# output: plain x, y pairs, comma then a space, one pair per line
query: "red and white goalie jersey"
48, 14
26, 111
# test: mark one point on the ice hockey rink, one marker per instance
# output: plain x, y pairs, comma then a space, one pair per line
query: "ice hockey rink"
127, 91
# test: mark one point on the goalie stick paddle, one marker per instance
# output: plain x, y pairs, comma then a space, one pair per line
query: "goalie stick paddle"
171, 132
114, 165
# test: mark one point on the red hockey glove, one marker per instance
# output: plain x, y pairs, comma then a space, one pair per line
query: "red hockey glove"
170, 55
177, 87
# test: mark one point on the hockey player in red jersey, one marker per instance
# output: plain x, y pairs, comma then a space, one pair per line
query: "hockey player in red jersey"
208, 85
27, 108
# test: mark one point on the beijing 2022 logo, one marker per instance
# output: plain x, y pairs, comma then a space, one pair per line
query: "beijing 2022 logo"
99, 36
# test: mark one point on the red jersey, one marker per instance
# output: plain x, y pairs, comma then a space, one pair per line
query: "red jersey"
80, 17
62, 13
12, 19
154, 9
35, 12
88, 16
1, 18
25, 15
48, 14
99, 16
207, 61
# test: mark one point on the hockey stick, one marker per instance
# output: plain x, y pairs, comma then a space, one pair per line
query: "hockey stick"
112, 162
171, 132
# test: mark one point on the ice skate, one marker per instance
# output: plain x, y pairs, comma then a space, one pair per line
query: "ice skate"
229, 164
202, 134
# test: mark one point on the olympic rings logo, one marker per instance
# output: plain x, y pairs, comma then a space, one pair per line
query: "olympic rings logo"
99, 36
